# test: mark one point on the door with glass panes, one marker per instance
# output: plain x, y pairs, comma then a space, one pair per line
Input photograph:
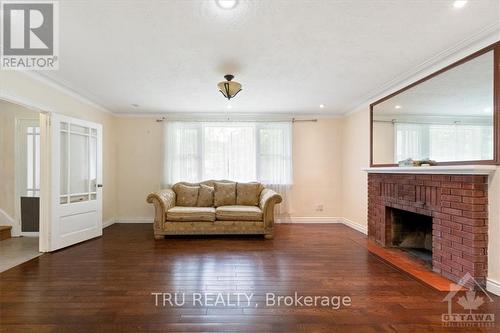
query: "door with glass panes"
76, 181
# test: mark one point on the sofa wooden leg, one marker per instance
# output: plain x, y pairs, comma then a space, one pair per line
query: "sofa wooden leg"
268, 236
158, 237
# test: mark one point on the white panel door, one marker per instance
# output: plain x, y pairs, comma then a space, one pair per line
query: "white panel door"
76, 181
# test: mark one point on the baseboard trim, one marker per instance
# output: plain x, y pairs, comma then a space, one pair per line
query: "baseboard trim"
5, 219
301, 219
134, 220
292, 220
107, 223
29, 234
322, 219
493, 286
356, 226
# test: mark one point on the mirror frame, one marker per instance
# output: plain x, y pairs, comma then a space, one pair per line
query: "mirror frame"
496, 106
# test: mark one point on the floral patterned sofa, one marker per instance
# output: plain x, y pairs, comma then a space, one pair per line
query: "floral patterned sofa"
214, 207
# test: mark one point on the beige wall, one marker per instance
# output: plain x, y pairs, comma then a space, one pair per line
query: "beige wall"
317, 152
8, 114
355, 156
22, 87
494, 228
383, 143
316, 167
139, 162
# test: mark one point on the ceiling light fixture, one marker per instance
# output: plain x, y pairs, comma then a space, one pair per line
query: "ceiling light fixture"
135, 105
229, 88
459, 4
226, 4
229, 106
322, 106
398, 107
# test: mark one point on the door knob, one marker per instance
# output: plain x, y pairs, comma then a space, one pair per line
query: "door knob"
99, 185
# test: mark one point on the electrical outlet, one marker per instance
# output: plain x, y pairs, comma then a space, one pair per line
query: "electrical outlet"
319, 208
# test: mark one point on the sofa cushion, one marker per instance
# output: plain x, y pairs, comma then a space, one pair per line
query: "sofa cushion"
225, 194
205, 196
238, 213
191, 214
187, 196
248, 194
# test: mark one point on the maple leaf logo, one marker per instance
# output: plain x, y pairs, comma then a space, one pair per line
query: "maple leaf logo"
470, 301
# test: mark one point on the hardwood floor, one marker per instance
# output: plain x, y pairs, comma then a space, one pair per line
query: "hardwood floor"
106, 285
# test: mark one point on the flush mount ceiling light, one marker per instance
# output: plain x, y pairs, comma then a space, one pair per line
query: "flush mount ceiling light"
398, 107
229, 88
459, 4
322, 106
226, 4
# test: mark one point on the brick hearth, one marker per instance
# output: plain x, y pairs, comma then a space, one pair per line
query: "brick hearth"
458, 205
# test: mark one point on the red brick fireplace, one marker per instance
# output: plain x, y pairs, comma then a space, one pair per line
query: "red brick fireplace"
457, 205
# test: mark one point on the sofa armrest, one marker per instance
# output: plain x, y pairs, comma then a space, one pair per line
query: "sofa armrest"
162, 200
268, 199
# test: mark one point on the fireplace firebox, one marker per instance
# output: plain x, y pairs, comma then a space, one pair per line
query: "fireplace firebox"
411, 232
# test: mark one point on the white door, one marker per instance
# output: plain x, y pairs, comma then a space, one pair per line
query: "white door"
76, 181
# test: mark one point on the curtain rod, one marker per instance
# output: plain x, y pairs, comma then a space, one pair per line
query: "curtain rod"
293, 120
458, 122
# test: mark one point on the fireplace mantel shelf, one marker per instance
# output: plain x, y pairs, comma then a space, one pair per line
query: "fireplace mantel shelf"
442, 169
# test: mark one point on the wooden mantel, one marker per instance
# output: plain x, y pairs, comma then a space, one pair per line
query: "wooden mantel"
441, 170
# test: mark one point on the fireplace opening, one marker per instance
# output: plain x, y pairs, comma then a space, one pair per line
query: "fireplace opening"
412, 233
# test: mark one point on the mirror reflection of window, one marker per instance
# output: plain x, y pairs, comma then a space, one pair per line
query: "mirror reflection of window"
446, 118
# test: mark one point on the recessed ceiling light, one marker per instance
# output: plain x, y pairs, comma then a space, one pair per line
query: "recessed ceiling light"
322, 106
398, 107
229, 106
459, 4
226, 4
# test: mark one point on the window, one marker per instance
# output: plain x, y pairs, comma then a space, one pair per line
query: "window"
443, 142
32, 161
240, 151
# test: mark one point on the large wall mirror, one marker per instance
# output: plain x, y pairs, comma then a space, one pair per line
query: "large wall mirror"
449, 117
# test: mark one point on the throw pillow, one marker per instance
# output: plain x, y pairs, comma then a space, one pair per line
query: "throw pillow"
205, 196
225, 194
248, 194
187, 196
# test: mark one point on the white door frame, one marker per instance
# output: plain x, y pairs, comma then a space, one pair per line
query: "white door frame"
45, 180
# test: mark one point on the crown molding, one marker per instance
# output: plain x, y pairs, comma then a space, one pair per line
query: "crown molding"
486, 36
65, 89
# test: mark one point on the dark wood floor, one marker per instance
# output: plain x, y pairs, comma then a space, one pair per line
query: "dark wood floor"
105, 285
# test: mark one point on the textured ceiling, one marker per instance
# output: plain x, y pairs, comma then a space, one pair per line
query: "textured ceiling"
290, 56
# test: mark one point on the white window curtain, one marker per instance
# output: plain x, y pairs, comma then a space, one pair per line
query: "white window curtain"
443, 142
239, 151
